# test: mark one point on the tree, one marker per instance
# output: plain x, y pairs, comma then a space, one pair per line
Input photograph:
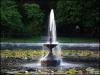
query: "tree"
70, 13
21, 18
34, 18
10, 17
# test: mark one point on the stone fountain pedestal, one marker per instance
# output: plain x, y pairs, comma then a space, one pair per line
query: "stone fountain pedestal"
50, 60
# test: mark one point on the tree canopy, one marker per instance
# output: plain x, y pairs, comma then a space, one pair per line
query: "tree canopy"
30, 16
12, 21
10, 17
70, 13
34, 18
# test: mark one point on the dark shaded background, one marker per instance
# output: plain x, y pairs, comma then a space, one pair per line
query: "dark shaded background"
27, 18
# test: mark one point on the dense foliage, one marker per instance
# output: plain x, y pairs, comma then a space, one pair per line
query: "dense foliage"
84, 14
10, 17
73, 17
34, 18
27, 19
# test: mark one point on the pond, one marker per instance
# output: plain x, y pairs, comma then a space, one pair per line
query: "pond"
26, 61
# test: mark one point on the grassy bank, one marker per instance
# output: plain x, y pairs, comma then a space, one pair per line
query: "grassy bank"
60, 39
77, 39
33, 39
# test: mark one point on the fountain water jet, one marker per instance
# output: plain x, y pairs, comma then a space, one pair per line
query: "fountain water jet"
51, 60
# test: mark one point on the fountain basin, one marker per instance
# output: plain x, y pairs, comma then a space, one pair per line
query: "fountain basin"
50, 60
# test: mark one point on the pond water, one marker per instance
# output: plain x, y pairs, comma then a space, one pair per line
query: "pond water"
20, 61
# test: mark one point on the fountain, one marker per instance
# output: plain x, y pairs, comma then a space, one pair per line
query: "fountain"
51, 60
